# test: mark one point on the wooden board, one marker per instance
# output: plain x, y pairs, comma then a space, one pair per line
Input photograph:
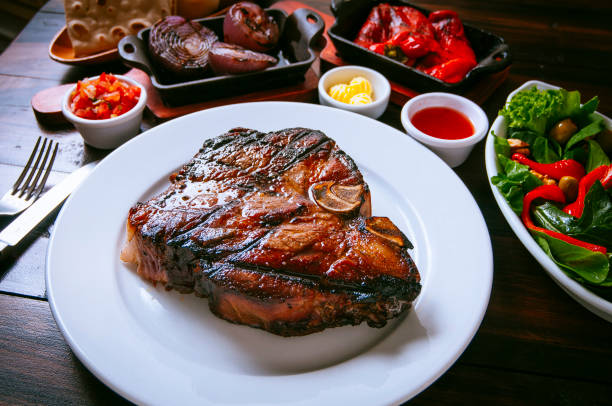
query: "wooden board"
47, 107
305, 91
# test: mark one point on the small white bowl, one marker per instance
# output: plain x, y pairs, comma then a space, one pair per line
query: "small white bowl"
453, 152
381, 90
111, 132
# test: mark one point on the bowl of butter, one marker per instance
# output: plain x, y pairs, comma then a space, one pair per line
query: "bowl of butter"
355, 88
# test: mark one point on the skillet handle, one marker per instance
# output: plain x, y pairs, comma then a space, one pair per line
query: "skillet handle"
133, 53
349, 6
335, 6
311, 25
497, 60
303, 30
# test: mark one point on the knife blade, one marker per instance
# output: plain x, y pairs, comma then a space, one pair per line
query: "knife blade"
33, 215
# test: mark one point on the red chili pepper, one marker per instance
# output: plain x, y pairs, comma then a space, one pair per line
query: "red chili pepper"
602, 173
557, 170
554, 193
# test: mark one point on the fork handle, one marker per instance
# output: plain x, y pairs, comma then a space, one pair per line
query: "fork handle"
26, 221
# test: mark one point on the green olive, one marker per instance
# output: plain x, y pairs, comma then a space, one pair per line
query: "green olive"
569, 186
604, 139
563, 131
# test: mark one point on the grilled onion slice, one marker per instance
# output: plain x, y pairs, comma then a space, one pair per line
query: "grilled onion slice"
181, 46
229, 58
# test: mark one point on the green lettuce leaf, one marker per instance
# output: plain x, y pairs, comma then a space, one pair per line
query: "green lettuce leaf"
577, 262
596, 157
578, 154
514, 181
571, 105
583, 117
537, 110
501, 146
524, 135
543, 152
595, 224
590, 130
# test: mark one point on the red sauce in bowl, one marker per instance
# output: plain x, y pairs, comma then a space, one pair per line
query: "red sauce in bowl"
443, 122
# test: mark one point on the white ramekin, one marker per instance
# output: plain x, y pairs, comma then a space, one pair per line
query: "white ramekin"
111, 132
381, 90
453, 152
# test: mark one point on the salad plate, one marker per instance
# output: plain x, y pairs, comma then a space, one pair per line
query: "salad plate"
587, 298
154, 346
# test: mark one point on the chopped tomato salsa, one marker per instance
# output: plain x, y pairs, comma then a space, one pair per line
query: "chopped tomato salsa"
103, 97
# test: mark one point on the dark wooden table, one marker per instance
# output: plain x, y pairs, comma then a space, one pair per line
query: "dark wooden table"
536, 345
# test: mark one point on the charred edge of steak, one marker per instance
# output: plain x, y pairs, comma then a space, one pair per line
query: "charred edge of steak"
313, 308
376, 315
289, 305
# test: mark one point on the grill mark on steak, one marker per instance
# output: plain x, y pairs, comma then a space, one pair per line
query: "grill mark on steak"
383, 285
237, 225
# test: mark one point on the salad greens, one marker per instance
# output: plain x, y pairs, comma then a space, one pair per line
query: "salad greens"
592, 267
537, 110
595, 224
596, 157
530, 116
590, 130
514, 181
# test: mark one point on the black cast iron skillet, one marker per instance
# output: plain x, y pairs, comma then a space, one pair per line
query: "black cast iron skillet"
492, 52
300, 34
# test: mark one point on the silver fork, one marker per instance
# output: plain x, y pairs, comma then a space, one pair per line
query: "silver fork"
23, 193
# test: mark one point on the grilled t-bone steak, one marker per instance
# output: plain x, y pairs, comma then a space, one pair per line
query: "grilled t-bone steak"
275, 229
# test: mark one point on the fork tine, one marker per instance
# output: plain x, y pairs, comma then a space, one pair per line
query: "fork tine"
27, 182
40, 171
26, 167
47, 172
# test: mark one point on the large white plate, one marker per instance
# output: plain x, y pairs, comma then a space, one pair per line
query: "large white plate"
158, 347
582, 295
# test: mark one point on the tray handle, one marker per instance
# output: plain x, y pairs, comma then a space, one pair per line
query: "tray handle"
303, 30
497, 60
336, 6
133, 52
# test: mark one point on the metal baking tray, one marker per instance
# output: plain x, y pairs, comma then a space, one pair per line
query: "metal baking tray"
300, 33
492, 52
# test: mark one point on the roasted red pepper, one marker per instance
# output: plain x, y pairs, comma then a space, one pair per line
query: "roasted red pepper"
603, 174
452, 71
413, 46
374, 30
403, 33
557, 170
554, 193
454, 57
